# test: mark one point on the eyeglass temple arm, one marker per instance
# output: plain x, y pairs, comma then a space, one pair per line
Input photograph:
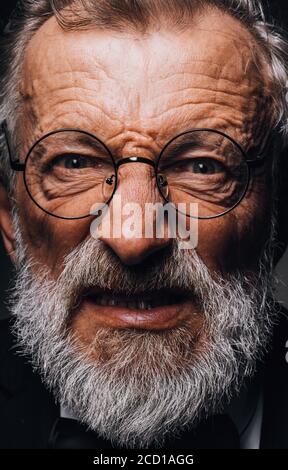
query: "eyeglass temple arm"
15, 165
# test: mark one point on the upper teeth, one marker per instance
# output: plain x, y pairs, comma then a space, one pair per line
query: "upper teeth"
140, 303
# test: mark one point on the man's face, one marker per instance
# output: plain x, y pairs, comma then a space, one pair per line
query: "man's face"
135, 93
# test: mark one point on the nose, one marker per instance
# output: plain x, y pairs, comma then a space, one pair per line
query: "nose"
132, 215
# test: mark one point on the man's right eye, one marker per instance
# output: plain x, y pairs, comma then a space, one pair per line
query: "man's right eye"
76, 162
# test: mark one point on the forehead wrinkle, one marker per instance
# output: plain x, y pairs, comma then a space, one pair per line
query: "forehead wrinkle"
100, 64
147, 107
232, 37
168, 113
135, 96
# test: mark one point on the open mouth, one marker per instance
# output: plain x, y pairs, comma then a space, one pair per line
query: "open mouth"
137, 302
150, 310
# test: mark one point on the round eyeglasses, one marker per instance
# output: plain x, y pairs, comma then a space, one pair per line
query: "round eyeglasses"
68, 171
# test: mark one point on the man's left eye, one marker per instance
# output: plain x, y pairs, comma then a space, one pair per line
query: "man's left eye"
201, 166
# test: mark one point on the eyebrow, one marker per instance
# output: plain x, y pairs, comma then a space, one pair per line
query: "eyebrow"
194, 140
41, 149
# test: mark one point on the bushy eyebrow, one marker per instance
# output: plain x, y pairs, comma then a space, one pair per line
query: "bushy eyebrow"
75, 141
201, 140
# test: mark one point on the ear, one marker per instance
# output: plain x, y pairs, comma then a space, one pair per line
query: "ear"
6, 226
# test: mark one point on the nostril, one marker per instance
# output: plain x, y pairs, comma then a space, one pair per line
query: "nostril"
136, 251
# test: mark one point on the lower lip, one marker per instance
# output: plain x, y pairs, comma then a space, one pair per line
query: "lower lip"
158, 318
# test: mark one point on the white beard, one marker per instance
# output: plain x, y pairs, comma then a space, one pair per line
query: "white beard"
145, 385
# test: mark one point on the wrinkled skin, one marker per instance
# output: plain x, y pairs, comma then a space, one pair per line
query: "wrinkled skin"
135, 92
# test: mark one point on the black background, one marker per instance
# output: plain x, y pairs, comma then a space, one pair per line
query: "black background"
279, 9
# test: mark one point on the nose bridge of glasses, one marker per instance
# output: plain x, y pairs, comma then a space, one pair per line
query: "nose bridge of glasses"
126, 160
144, 168
161, 180
137, 183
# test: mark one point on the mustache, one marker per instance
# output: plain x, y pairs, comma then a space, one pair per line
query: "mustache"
92, 266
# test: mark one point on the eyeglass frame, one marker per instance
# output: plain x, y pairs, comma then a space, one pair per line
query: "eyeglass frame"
16, 165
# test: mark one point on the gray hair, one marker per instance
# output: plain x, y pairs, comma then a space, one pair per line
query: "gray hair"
136, 388
30, 15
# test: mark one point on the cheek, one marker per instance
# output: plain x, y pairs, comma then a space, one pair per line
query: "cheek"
217, 239
236, 240
48, 238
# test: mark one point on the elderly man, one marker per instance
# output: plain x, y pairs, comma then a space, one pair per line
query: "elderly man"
134, 341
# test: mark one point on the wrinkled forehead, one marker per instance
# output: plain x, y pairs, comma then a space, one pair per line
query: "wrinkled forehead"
214, 39
149, 72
